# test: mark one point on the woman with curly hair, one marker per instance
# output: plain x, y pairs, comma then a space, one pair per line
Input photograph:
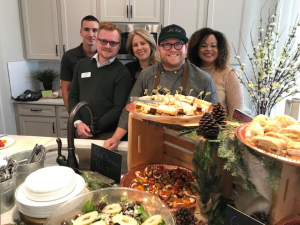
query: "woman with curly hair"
209, 50
141, 47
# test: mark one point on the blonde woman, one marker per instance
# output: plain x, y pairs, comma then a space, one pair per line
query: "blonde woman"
141, 46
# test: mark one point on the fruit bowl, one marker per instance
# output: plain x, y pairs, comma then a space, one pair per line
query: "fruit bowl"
71, 208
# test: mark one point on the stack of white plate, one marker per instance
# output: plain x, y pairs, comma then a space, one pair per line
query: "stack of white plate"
46, 189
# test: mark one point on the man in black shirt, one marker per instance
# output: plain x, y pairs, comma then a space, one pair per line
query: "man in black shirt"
88, 32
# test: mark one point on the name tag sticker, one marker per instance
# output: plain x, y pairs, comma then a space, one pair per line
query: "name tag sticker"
85, 75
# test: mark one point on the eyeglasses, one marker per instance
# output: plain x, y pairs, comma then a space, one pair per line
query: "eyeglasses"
88, 29
168, 46
111, 43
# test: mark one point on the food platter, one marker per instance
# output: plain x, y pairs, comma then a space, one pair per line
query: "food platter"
240, 133
165, 119
9, 142
128, 178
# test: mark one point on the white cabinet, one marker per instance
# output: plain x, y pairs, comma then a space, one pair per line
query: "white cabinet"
36, 120
62, 121
196, 14
191, 15
40, 27
231, 24
41, 120
72, 12
51, 27
130, 10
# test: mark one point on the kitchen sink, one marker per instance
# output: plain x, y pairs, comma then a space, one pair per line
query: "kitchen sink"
83, 156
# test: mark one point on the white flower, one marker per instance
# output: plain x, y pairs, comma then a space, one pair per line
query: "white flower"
250, 85
275, 85
237, 57
273, 24
263, 90
263, 75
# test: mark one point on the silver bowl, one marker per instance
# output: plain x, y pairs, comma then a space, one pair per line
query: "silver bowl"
71, 208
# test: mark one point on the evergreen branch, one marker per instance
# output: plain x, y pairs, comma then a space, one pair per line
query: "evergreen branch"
187, 132
248, 185
216, 216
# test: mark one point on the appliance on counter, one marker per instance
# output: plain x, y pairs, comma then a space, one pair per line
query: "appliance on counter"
126, 28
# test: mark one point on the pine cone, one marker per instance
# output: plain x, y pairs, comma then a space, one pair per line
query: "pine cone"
184, 216
208, 127
219, 114
261, 216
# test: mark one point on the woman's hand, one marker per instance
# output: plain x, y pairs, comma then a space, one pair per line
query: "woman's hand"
111, 143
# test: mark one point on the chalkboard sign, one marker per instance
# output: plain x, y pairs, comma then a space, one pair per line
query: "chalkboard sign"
241, 116
106, 162
236, 217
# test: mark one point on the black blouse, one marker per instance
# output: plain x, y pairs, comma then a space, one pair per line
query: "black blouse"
133, 67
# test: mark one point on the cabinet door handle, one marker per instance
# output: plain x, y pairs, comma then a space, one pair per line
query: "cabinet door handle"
64, 48
127, 11
131, 11
36, 110
56, 50
53, 128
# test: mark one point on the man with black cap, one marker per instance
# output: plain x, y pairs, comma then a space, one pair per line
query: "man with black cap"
174, 72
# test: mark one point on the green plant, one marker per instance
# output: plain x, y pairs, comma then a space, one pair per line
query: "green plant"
46, 76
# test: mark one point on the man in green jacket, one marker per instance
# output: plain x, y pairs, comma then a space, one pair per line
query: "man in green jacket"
102, 81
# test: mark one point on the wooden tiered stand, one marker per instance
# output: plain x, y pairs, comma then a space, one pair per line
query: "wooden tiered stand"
286, 200
148, 144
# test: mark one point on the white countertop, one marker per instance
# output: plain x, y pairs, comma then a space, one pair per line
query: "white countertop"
23, 143
43, 101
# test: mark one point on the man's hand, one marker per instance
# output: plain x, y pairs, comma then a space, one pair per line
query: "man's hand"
111, 143
84, 131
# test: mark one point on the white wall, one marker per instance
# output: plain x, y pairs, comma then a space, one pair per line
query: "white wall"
10, 50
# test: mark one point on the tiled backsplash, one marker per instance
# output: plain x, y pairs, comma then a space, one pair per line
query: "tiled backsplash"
19, 75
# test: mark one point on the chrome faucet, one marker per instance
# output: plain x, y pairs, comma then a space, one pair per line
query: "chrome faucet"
71, 160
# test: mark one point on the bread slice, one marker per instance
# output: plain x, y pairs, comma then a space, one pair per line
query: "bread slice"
269, 144
252, 130
285, 120
292, 132
203, 105
279, 136
262, 119
144, 108
293, 150
167, 109
186, 99
272, 126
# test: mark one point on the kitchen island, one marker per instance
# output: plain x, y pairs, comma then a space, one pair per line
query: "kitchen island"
24, 143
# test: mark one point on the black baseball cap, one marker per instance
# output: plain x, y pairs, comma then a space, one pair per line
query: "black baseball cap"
172, 31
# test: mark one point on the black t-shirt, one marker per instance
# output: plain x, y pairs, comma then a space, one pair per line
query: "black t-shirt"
133, 68
69, 61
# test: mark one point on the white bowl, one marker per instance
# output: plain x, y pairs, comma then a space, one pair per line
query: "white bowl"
50, 183
44, 209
